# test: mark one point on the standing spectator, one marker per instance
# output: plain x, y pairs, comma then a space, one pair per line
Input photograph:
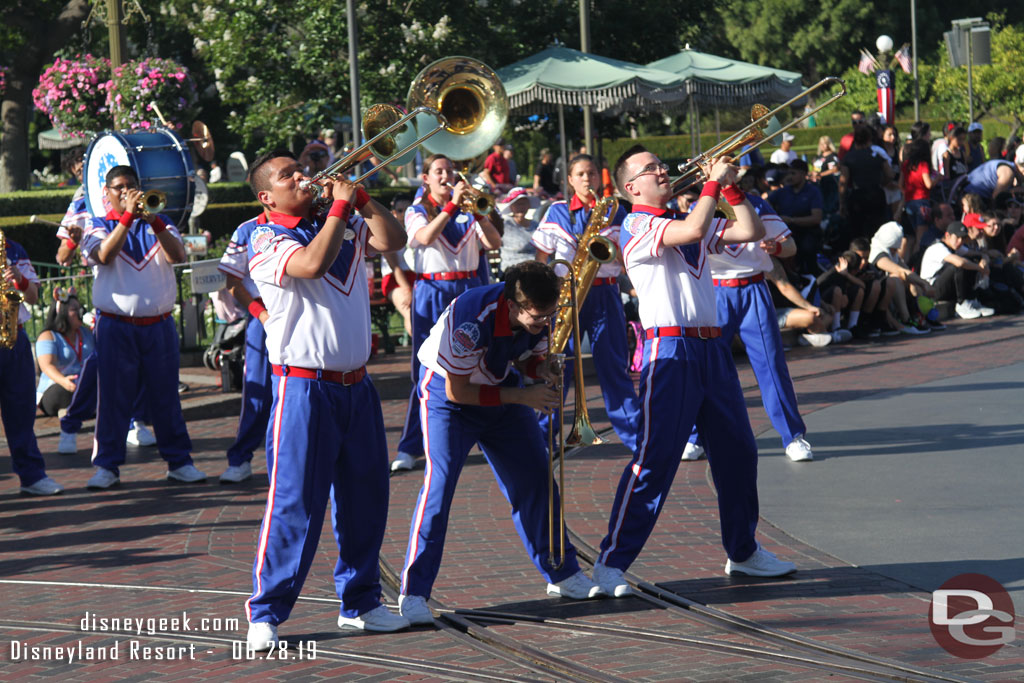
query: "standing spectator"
799, 205
77, 217
512, 168
996, 148
956, 159
784, 154
60, 350
544, 176
517, 240
922, 130
397, 272
18, 377
977, 152
997, 176
216, 174
862, 177
132, 257
940, 145
826, 175
918, 182
846, 142
497, 173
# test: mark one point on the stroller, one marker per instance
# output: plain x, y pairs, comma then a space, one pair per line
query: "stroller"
226, 353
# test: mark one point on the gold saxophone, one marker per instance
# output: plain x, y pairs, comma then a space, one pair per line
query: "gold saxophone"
10, 304
593, 250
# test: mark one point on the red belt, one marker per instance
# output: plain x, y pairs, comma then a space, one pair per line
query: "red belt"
605, 281
343, 378
739, 282
454, 275
141, 322
698, 332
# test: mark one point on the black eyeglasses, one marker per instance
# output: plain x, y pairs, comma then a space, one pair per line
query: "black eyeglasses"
124, 186
650, 169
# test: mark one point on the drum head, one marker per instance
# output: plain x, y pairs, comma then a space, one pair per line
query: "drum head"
105, 151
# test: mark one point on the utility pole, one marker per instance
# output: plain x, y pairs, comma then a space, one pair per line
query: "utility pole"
118, 49
913, 49
588, 121
353, 71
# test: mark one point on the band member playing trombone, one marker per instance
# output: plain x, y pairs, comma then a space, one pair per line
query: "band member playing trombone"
688, 374
446, 243
471, 392
601, 315
326, 440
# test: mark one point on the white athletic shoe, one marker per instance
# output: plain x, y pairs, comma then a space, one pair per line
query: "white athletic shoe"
577, 587
693, 451
43, 487
798, 450
380, 619
611, 580
761, 563
814, 339
968, 310
187, 474
414, 608
103, 479
140, 436
236, 473
985, 311
68, 444
403, 461
262, 636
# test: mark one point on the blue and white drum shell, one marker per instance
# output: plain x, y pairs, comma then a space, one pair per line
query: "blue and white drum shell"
161, 159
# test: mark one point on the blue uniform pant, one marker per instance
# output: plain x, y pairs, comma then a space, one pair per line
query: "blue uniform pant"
602, 318
325, 441
18, 409
686, 381
749, 312
517, 453
83, 400
429, 299
134, 359
256, 396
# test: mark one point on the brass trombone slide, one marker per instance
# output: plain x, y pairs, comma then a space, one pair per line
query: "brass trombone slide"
556, 444
369, 148
758, 132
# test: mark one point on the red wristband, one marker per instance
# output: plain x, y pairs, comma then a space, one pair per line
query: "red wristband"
22, 283
711, 189
256, 307
532, 365
158, 225
70, 244
362, 197
127, 218
490, 395
451, 208
340, 209
733, 195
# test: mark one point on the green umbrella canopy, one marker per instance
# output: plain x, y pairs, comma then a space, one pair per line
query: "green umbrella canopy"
561, 75
721, 81
54, 139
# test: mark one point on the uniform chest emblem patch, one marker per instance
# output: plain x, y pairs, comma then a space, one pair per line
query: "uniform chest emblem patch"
261, 239
465, 338
636, 224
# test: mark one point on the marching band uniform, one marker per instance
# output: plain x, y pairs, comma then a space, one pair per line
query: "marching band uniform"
474, 338
17, 391
256, 389
326, 440
136, 345
688, 378
444, 269
745, 308
601, 315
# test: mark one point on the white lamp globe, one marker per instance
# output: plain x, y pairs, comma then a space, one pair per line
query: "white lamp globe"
884, 44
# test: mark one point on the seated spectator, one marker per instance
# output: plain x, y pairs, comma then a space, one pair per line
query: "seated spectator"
841, 286
750, 158
946, 265
1006, 293
934, 229
799, 205
876, 315
60, 349
796, 312
517, 240
885, 255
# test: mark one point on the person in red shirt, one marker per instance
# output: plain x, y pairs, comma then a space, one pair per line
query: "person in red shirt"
846, 142
918, 181
497, 173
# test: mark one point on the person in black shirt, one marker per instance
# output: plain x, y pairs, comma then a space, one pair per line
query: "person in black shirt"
544, 177
862, 175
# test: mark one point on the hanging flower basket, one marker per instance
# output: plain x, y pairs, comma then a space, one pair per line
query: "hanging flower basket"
136, 85
73, 94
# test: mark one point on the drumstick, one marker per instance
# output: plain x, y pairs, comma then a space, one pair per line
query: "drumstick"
37, 219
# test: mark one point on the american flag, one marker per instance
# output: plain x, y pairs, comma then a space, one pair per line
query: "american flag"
866, 62
903, 57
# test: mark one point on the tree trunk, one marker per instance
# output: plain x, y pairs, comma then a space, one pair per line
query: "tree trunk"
22, 77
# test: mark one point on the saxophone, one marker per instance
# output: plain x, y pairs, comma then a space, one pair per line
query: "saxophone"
593, 249
10, 304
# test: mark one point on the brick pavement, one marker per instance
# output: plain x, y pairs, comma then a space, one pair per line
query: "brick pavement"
108, 553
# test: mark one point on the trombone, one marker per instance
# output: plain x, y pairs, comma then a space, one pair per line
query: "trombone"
556, 444
394, 130
762, 128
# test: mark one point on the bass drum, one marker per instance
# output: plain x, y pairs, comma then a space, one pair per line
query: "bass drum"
161, 159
